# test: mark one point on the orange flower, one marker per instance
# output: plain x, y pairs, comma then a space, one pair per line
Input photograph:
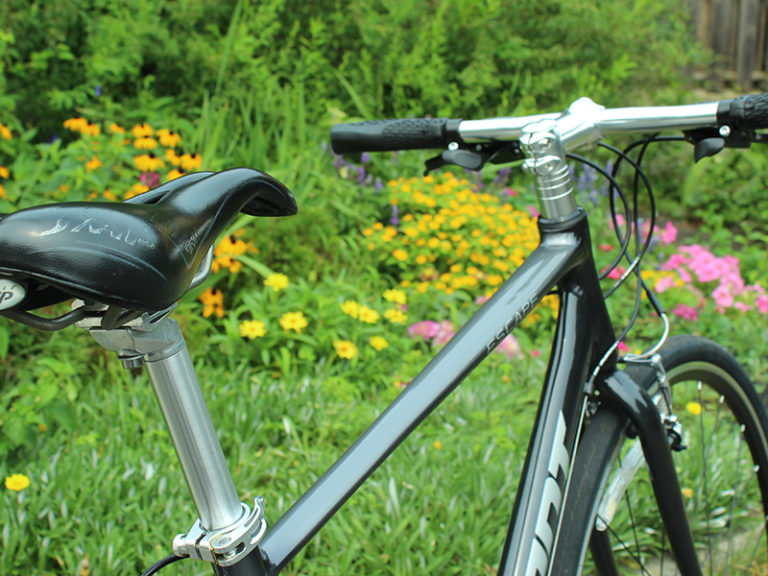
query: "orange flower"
142, 131
145, 143
168, 139
93, 164
191, 162
148, 162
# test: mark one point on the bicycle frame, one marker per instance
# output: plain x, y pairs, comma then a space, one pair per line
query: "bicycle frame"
232, 537
563, 259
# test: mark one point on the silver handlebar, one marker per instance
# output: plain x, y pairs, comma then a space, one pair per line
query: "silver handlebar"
585, 122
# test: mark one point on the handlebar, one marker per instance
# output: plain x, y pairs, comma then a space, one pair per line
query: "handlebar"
584, 122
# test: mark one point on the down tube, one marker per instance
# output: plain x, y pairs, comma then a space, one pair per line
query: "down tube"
556, 254
584, 333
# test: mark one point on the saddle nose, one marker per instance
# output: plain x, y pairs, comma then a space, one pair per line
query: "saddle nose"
138, 255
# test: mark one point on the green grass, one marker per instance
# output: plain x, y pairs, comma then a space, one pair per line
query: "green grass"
109, 490
106, 490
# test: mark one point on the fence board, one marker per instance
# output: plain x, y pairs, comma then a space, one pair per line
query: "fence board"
737, 33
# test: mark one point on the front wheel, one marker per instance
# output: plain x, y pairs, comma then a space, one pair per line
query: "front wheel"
722, 467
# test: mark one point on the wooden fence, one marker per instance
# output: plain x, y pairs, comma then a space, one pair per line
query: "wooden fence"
735, 30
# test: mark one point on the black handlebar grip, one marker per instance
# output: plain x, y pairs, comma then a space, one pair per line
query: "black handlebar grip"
396, 134
749, 112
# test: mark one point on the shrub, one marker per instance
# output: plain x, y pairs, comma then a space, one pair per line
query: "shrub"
468, 58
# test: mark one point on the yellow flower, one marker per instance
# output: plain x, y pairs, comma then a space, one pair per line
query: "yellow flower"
437, 444
378, 342
395, 315
252, 329
142, 131
3, 194
76, 124
494, 279
148, 162
135, 190
367, 315
91, 129
277, 282
345, 349
694, 408
191, 162
293, 321
400, 254
116, 129
93, 164
225, 253
172, 157
351, 308
173, 174
394, 295
168, 139
4, 173
5, 133
145, 143
17, 482
687, 492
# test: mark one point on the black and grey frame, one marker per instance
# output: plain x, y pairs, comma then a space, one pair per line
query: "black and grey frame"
583, 345
234, 538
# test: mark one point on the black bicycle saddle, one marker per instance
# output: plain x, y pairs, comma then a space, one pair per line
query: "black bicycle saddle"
141, 254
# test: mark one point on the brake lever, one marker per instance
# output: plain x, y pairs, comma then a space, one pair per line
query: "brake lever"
493, 152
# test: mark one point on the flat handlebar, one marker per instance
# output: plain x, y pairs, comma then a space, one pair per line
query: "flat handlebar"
583, 122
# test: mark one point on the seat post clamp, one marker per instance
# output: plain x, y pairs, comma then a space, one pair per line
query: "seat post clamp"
226, 546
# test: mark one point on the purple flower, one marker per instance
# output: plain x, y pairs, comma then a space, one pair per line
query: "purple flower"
395, 219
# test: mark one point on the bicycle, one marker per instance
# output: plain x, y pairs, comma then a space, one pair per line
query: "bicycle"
597, 426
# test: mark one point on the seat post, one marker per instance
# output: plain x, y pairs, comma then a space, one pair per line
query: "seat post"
194, 436
160, 346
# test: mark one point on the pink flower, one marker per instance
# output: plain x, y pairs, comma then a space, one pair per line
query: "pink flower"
683, 311
723, 296
427, 329
664, 283
605, 248
762, 304
616, 273
444, 333
434, 332
623, 347
509, 347
669, 235
532, 211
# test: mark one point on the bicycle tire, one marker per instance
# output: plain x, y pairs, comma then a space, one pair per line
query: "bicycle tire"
724, 479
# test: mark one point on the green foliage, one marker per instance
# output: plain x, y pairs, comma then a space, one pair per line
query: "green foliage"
468, 58
729, 189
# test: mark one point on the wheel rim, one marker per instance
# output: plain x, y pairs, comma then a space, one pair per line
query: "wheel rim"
725, 491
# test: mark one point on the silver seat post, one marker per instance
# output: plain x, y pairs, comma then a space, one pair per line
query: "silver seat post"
227, 529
